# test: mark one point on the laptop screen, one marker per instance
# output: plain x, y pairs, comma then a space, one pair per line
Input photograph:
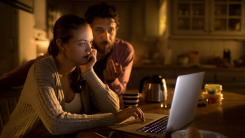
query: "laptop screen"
186, 95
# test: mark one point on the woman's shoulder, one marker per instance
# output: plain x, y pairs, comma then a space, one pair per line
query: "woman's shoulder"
45, 64
47, 61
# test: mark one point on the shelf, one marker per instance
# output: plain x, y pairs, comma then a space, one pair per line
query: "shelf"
227, 2
234, 17
208, 37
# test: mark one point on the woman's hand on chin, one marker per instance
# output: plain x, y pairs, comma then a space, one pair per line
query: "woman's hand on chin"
92, 58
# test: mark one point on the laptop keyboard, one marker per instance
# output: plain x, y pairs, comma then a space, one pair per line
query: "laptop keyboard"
157, 127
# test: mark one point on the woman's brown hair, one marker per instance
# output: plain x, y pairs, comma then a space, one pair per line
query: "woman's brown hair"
63, 29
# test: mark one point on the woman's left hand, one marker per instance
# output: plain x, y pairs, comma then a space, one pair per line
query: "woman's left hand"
92, 58
126, 113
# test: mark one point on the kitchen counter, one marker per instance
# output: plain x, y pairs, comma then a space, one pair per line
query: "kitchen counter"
230, 78
186, 67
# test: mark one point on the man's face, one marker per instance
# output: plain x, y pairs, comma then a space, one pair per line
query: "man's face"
104, 32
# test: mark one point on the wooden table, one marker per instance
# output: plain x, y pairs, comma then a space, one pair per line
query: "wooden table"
226, 117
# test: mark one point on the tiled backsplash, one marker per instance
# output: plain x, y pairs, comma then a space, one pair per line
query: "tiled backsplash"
206, 48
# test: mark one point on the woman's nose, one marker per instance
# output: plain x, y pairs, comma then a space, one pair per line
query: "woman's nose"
89, 48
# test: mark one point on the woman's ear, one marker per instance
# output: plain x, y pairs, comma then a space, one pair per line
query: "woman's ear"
60, 44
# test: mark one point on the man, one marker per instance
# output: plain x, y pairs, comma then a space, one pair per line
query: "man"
104, 21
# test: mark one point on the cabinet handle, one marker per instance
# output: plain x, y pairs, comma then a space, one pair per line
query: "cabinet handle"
235, 78
11, 44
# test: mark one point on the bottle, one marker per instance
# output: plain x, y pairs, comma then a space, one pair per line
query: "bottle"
229, 56
226, 57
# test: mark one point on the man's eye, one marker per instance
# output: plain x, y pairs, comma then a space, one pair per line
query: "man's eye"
110, 31
99, 30
91, 42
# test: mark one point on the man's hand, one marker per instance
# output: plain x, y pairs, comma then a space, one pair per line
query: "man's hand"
112, 72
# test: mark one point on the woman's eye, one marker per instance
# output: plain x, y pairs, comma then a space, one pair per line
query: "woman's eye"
81, 44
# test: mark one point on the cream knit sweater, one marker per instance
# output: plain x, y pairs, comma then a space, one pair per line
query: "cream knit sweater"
40, 110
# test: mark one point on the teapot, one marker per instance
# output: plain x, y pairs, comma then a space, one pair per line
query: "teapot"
152, 88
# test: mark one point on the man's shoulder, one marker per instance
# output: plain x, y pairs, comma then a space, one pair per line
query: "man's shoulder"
123, 45
123, 51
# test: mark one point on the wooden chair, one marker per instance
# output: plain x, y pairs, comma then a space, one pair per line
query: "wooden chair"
8, 102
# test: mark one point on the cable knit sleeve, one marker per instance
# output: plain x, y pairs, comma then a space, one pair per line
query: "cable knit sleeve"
47, 97
102, 96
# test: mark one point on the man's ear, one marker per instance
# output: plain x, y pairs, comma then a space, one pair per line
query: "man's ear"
60, 44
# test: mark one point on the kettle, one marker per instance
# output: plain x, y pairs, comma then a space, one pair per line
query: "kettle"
153, 88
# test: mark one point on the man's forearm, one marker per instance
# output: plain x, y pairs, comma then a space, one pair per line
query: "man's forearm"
16, 77
117, 86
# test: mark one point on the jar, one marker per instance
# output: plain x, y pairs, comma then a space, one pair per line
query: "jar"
213, 93
213, 88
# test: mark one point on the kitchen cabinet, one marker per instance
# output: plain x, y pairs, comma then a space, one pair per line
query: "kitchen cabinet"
144, 20
8, 37
26, 5
232, 80
16, 37
208, 17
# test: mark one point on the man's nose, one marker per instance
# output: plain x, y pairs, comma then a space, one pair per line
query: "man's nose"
105, 35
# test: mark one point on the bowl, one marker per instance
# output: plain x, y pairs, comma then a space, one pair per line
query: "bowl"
238, 62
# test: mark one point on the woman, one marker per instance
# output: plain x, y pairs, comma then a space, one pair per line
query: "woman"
62, 91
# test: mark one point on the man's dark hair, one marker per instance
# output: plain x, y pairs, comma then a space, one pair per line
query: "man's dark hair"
102, 10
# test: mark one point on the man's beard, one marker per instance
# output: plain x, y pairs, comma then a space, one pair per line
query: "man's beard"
104, 51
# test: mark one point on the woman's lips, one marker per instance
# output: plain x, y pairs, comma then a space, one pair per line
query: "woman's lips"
86, 57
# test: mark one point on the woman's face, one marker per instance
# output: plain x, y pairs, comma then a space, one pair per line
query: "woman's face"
79, 47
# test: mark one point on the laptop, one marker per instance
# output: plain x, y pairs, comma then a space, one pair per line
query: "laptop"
183, 108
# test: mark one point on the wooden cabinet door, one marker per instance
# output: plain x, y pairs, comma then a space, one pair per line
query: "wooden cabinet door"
233, 81
208, 18
226, 17
8, 38
190, 17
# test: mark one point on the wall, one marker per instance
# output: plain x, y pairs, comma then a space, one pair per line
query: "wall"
79, 8
40, 14
139, 20
27, 49
146, 25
